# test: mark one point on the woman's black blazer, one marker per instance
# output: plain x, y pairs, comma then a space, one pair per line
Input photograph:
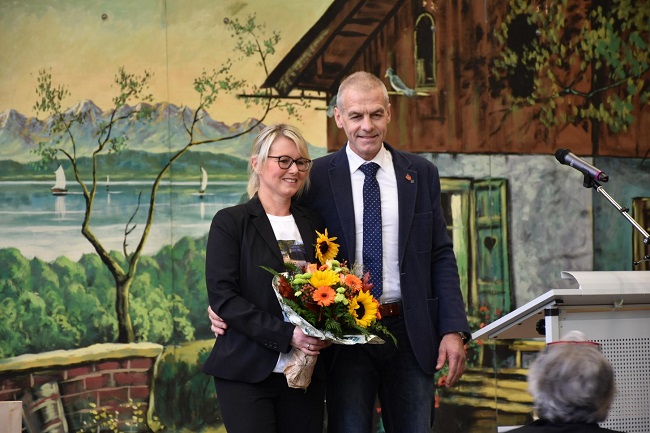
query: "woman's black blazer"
241, 240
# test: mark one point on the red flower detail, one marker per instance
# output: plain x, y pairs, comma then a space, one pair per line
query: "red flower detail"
366, 285
285, 289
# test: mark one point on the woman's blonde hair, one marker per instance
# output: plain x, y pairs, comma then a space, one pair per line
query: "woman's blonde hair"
261, 146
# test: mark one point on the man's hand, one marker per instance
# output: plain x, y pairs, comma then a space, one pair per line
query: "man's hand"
309, 345
452, 350
218, 326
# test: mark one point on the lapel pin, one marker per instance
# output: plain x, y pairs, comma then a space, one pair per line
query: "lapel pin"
409, 178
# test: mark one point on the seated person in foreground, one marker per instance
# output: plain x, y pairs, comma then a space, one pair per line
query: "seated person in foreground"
572, 384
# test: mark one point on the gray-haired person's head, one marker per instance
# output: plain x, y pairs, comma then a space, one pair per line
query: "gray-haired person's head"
360, 80
262, 145
572, 382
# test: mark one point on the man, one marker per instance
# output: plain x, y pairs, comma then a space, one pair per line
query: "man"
422, 301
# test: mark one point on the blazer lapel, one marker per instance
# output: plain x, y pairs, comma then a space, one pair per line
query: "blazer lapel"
407, 187
263, 225
339, 174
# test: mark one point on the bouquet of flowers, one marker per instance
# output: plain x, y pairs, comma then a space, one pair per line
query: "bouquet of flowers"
327, 301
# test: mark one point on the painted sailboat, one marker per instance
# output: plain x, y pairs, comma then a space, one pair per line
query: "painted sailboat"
204, 182
110, 190
59, 187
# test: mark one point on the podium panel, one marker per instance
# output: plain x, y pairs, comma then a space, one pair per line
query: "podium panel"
610, 308
624, 337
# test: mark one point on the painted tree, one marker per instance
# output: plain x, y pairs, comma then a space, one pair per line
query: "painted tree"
575, 62
251, 42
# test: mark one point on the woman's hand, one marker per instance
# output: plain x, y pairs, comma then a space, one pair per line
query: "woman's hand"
308, 345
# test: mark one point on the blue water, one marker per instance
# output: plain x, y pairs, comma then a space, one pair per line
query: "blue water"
46, 226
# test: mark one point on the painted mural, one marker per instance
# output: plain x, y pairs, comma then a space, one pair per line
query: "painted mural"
125, 126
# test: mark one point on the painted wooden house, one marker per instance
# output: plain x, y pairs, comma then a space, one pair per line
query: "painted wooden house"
443, 50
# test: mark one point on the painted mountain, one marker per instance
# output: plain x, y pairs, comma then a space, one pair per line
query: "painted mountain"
164, 131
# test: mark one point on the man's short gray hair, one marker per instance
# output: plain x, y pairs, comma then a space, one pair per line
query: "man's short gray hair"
363, 81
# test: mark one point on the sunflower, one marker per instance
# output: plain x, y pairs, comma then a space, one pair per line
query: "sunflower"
323, 278
324, 296
363, 308
326, 249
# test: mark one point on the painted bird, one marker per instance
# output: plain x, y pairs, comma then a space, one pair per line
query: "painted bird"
397, 83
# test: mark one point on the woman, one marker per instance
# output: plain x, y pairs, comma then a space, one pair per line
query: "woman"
248, 361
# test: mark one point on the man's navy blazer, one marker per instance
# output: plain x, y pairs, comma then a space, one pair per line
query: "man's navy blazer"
241, 240
431, 296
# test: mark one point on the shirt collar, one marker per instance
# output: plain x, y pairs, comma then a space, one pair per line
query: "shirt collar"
355, 161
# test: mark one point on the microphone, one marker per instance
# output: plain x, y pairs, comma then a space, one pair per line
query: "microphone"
567, 158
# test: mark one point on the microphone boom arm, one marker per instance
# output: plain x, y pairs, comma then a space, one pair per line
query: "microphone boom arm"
591, 183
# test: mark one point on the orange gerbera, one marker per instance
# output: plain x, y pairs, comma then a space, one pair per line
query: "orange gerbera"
352, 281
324, 296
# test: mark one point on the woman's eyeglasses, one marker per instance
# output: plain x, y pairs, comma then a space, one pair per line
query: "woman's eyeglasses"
285, 162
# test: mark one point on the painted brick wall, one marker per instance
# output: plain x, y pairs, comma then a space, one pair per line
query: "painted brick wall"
101, 387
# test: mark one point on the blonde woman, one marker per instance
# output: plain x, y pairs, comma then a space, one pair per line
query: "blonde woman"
248, 361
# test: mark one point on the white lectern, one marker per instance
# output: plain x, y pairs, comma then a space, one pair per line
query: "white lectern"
611, 308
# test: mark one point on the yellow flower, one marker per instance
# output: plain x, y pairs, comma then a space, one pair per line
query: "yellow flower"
323, 278
324, 296
326, 249
367, 306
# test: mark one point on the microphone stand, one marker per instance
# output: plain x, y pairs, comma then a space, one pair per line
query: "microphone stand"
589, 182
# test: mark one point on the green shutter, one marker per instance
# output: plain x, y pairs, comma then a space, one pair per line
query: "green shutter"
491, 245
475, 212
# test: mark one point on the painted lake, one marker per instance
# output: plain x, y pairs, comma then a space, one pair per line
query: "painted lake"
42, 225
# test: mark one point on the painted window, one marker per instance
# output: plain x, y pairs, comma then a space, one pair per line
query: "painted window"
425, 51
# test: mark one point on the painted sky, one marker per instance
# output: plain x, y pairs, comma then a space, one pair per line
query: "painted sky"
84, 42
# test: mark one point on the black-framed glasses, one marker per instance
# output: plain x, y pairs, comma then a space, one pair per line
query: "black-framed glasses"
285, 162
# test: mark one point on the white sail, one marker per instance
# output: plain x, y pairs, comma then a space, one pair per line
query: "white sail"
204, 180
59, 184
